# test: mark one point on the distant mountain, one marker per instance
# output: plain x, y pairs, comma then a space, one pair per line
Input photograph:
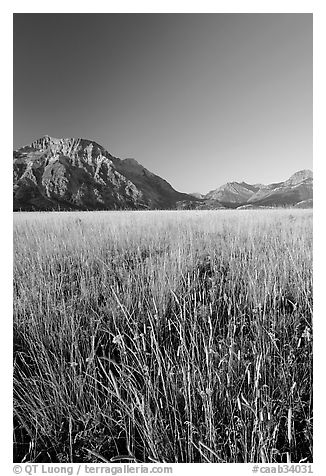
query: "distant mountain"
298, 189
232, 193
197, 195
79, 174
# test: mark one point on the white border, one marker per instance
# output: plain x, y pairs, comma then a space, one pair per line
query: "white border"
318, 9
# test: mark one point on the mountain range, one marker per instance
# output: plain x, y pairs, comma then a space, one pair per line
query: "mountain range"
79, 174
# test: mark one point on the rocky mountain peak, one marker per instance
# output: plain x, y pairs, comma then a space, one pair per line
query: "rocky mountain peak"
300, 176
70, 173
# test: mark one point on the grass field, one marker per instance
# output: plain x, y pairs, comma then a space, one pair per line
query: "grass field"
163, 336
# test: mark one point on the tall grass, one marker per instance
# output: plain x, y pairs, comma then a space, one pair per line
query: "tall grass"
163, 336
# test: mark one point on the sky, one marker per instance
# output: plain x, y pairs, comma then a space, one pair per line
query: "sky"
199, 99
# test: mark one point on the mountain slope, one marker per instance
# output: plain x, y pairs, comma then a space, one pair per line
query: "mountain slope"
80, 174
232, 192
156, 191
298, 188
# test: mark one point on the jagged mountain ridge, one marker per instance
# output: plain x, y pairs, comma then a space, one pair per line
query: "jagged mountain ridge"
80, 174
298, 189
232, 192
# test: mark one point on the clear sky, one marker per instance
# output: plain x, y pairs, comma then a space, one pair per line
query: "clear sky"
199, 99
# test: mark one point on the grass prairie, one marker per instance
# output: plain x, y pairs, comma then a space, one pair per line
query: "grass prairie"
177, 336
